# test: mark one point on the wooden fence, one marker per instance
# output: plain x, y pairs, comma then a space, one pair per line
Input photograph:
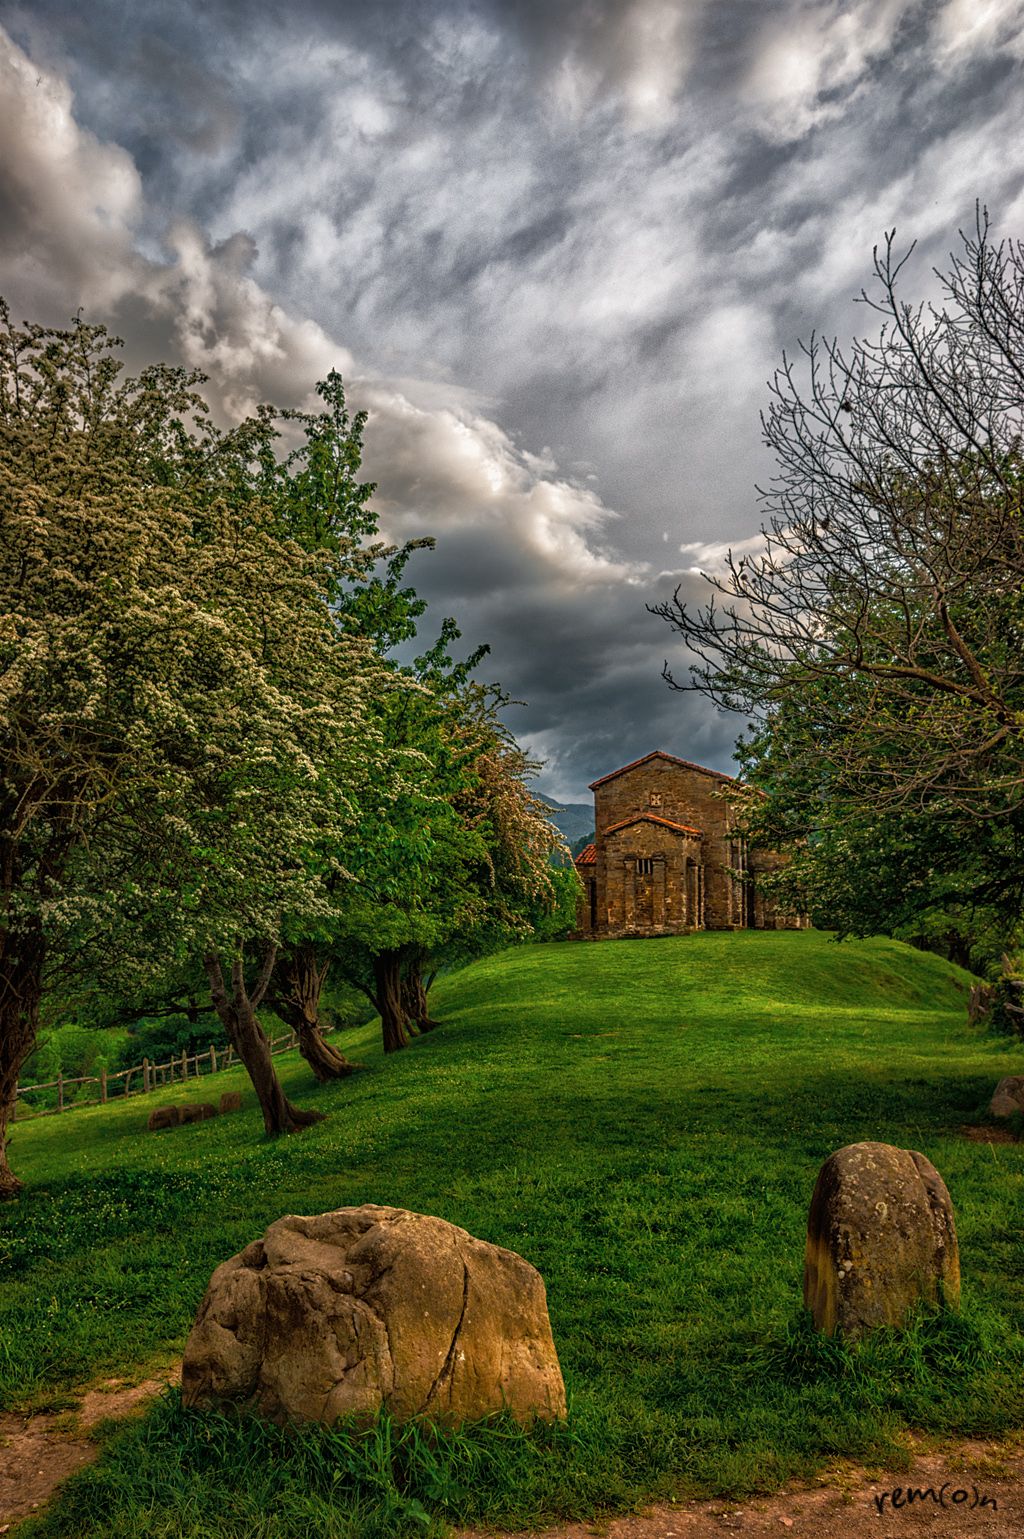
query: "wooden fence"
148, 1076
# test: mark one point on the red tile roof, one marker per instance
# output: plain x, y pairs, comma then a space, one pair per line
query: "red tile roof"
659, 754
587, 856
652, 817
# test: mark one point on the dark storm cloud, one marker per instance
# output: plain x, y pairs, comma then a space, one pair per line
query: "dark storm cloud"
591, 676
556, 249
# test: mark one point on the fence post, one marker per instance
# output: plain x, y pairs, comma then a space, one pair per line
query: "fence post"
60, 1092
184, 1066
145, 1075
103, 1086
213, 1059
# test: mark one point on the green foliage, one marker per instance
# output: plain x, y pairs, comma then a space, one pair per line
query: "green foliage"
72, 1051
554, 919
168, 1036
915, 873
589, 1106
343, 1006
182, 725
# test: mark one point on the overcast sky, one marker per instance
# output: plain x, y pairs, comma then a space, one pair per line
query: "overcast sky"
556, 249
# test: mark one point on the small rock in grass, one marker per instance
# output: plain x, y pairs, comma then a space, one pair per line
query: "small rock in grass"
197, 1111
1008, 1098
231, 1101
880, 1238
163, 1117
372, 1308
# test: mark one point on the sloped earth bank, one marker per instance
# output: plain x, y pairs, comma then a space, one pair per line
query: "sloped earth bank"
964, 1491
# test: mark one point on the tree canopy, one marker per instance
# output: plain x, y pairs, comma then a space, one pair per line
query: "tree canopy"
181, 721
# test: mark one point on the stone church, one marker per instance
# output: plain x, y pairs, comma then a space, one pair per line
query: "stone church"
666, 858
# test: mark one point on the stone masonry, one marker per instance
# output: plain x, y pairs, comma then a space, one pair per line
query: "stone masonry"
666, 858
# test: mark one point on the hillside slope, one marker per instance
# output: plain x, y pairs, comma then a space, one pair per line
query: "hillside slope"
643, 1121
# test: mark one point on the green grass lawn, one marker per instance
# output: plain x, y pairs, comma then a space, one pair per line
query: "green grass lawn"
644, 1122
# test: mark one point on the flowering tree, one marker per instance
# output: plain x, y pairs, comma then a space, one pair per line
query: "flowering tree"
182, 724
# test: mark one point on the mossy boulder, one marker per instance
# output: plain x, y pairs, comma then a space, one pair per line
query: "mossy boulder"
368, 1309
880, 1240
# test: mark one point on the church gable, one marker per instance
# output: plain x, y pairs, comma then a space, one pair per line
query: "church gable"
661, 785
666, 758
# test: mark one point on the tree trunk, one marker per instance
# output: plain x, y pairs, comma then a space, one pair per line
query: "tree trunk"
21, 988
237, 1012
414, 1000
387, 977
295, 995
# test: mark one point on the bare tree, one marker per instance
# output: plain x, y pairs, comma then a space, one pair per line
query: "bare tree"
879, 626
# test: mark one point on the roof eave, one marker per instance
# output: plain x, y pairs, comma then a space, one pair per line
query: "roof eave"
659, 753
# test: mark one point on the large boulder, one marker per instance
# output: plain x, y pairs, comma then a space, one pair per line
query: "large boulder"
880, 1237
372, 1308
1008, 1096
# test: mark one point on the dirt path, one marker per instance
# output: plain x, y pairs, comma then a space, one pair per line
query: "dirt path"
963, 1491
38, 1451
966, 1491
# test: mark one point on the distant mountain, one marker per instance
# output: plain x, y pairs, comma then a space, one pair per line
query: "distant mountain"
572, 819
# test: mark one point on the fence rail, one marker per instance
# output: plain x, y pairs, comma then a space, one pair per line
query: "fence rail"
151, 1076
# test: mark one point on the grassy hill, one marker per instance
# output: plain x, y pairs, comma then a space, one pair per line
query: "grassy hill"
644, 1122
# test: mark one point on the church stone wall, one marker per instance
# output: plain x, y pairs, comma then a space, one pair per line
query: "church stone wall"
652, 880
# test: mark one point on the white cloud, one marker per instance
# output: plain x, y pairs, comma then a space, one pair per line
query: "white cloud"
965, 28
711, 556
67, 201
641, 50
812, 56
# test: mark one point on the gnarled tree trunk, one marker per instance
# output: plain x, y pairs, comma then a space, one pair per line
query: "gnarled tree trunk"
414, 999
295, 995
237, 1012
21, 988
387, 999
